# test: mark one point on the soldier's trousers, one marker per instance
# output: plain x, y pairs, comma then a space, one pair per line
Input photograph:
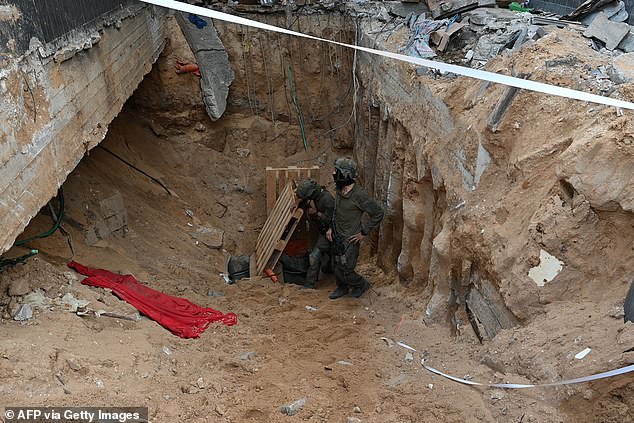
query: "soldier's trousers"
345, 274
315, 258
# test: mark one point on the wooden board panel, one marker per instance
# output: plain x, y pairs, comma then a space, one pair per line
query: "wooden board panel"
278, 178
277, 229
271, 188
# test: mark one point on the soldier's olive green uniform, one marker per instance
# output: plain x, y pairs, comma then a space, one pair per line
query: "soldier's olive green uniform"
348, 211
325, 205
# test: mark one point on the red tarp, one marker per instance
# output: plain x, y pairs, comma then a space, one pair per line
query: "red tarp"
180, 316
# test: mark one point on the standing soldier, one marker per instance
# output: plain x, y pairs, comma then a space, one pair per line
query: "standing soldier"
347, 230
322, 212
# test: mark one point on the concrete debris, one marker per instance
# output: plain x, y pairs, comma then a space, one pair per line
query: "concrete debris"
211, 237
70, 303
112, 218
549, 266
99, 384
211, 293
25, 312
311, 308
201, 383
622, 69
357, 409
627, 43
353, 420
611, 33
344, 363
615, 11
441, 9
167, 351
402, 9
409, 357
37, 299
293, 408
213, 61
247, 355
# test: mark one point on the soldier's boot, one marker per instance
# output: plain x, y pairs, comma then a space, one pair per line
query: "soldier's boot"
360, 290
339, 292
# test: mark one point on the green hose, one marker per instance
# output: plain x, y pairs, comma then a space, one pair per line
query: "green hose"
297, 110
55, 227
4, 263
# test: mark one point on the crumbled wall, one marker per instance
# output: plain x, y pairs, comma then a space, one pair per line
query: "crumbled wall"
58, 102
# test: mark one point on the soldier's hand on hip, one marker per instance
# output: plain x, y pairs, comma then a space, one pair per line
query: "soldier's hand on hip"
357, 238
329, 234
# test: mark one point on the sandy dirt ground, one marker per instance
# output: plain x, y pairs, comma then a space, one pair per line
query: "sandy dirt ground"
289, 343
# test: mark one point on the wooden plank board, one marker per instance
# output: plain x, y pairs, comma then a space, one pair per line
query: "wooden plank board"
278, 178
282, 243
274, 217
271, 189
282, 213
279, 214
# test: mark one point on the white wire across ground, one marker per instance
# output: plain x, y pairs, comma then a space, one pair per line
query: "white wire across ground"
611, 373
445, 67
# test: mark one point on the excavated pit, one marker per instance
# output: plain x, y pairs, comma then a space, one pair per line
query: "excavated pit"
469, 207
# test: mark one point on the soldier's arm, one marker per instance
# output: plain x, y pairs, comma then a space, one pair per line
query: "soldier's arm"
327, 208
374, 210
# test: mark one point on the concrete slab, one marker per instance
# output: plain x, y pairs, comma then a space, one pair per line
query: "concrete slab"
611, 33
627, 43
622, 68
213, 61
613, 10
549, 266
401, 9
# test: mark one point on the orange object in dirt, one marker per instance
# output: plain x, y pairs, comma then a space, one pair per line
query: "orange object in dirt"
182, 67
271, 274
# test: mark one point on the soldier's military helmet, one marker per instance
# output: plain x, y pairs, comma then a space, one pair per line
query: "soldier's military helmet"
308, 189
347, 167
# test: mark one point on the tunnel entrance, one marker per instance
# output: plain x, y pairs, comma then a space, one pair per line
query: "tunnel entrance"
170, 194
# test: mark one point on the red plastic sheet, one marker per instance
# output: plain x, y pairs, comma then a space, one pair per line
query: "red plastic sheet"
182, 317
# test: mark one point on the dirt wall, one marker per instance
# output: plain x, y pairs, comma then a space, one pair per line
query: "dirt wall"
465, 199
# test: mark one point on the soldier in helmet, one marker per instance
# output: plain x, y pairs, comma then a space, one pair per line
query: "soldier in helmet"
322, 212
347, 230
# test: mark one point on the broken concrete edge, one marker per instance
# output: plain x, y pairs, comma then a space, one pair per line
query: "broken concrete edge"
603, 29
71, 43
